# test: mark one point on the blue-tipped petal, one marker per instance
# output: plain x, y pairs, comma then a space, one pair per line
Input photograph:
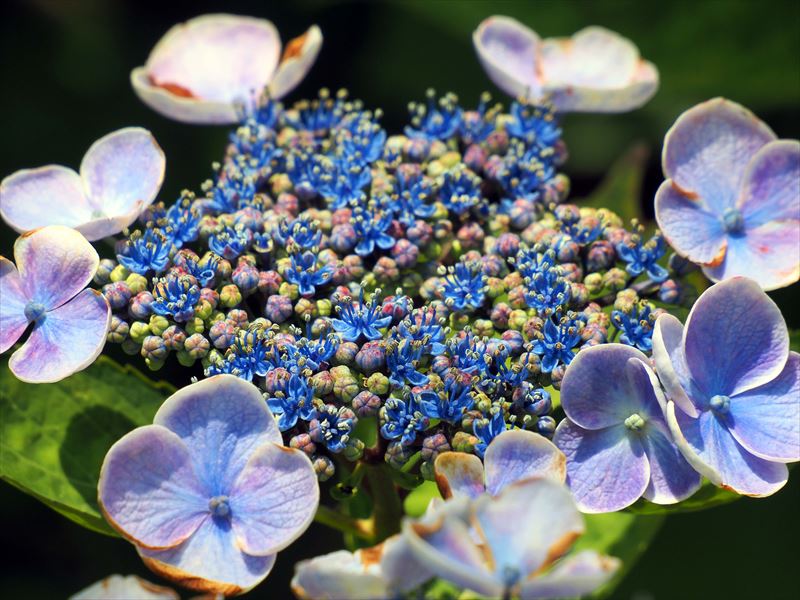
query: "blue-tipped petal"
607, 469
708, 148
689, 226
726, 358
517, 454
65, 340
274, 499
711, 449
590, 404
527, 527
148, 489
766, 419
51, 195
575, 576
672, 479
209, 561
13, 300
54, 263
459, 474
222, 420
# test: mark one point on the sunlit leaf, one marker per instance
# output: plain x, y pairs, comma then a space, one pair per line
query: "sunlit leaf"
53, 437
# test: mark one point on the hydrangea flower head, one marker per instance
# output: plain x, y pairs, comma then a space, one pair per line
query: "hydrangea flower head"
733, 386
731, 200
616, 440
120, 176
596, 70
510, 545
45, 292
512, 456
208, 493
215, 68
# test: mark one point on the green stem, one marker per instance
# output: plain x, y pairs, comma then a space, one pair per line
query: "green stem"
336, 520
388, 509
411, 462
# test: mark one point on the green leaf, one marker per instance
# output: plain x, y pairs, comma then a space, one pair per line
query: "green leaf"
794, 339
619, 534
621, 189
707, 496
53, 437
417, 501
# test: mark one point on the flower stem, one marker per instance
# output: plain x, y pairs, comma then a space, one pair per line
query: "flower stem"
329, 517
388, 509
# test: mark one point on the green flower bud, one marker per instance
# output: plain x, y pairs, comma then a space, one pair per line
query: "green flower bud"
158, 324
203, 310
517, 319
195, 326
137, 283
304, 307
483, 327
593, 283
289, 290
615, 279
138, 331
378, 384
230, 296
464, 442
354, 450
154, 364
324, 307
119, 273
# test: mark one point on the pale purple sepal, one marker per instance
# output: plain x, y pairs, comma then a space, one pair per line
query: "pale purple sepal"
213, 69
574, 576
734, 367
125, 587
731, 200
725, 357
298, 58
149, 491
512, 456
607, 469
595, 70
13, 321
274, 500
222, 419
120, 176
621, 448
64, 340
210, 561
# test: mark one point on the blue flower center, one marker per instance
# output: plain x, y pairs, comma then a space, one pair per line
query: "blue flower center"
511, 576
219, 506
720, 404
733, 221
635, 422
34, 311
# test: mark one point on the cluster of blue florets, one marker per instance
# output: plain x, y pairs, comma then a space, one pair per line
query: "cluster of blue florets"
393, 296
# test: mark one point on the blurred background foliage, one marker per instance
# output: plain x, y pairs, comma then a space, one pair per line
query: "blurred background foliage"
64, 73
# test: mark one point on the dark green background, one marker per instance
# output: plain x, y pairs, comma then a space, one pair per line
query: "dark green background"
64, 74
